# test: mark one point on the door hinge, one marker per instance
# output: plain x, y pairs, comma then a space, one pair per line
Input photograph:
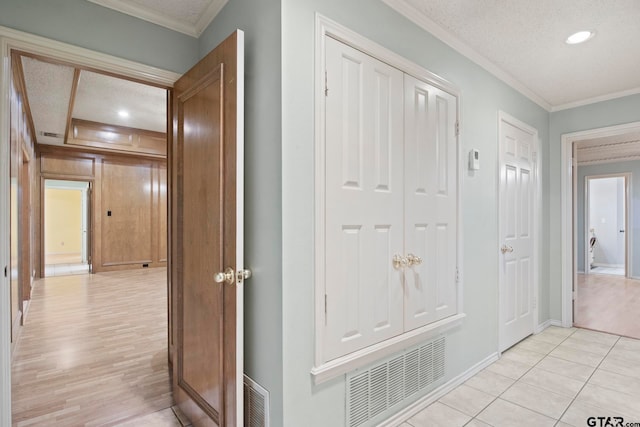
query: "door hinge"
5, 271
573, 295
326, 85
457, 128
325, 309
457, 275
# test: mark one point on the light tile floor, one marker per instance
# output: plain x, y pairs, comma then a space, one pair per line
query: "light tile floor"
51, 270
559, 377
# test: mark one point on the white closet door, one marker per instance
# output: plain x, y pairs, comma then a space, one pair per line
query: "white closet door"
430, 203
364, 198
517, 186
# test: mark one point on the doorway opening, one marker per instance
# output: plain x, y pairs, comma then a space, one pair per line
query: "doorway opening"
64, 108
66, 224
605, 235
600, 276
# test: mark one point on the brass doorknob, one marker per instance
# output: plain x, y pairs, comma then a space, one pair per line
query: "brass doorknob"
506, 248
399, 262
225, 276
413, 260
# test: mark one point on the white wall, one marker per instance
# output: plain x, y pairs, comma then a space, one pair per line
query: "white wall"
482, 97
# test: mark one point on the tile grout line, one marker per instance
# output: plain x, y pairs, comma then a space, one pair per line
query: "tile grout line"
587, 381
514, 382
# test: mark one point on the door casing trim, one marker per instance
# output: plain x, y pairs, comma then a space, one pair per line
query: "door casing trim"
567, 200
11, 39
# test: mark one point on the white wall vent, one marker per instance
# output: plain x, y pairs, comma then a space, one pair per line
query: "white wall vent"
256, 404
372, 391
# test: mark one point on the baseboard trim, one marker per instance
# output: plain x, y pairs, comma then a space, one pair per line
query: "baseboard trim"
411, 410
544, 325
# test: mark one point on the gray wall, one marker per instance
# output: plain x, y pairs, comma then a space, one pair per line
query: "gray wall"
88, 25
634, 197
260, 21
482, 96
593, 116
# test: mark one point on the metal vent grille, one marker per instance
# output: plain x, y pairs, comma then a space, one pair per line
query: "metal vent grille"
371, 392
256, 404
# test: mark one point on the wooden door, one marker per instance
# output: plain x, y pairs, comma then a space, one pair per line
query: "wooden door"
207, 159
516, 225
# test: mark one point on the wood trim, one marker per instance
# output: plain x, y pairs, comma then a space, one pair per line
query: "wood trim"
66, 151
85, 133
72, 102
21, 87
78, 67
116, 128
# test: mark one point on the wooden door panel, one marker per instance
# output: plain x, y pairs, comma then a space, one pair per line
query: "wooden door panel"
202, 217
206, 198
162, 214
127, 206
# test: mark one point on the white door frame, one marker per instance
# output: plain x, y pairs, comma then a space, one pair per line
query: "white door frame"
11, 39
536, 208
627, 214
568, 196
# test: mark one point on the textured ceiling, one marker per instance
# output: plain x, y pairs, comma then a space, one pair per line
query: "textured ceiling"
522, 41
186, 16
48, 92
610, 149
99, 98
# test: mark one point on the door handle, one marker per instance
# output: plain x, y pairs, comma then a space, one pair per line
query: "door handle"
622, 231
243, 275
225, 276
506, 248
399, 262
228, 276
413, 260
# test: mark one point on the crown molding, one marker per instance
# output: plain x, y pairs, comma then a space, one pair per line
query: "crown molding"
165, 21
596, 99
417, 17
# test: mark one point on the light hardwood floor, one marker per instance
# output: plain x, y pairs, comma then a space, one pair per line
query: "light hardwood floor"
609, 304
93, 351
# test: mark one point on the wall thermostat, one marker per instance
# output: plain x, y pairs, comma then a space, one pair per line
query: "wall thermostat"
474, 160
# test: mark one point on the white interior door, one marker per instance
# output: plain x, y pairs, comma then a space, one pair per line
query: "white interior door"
430, 203
364, 187
516, 228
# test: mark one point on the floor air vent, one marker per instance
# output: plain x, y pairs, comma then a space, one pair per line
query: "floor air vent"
256, 404
372, 391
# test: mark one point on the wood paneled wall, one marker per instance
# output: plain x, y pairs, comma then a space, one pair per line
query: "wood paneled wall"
128, 205
21, 200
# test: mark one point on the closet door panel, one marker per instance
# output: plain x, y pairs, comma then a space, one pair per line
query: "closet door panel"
430, 203
363, 199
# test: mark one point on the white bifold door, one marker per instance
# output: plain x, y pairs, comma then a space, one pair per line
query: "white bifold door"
390, 192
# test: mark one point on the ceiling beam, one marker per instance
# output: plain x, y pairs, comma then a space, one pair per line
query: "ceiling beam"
72, 101
21, 87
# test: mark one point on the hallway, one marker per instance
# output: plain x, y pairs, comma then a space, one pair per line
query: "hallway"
94, 352
608, 303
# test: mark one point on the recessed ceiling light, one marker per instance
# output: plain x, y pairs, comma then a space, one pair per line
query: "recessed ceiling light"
123, 113
580, 37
